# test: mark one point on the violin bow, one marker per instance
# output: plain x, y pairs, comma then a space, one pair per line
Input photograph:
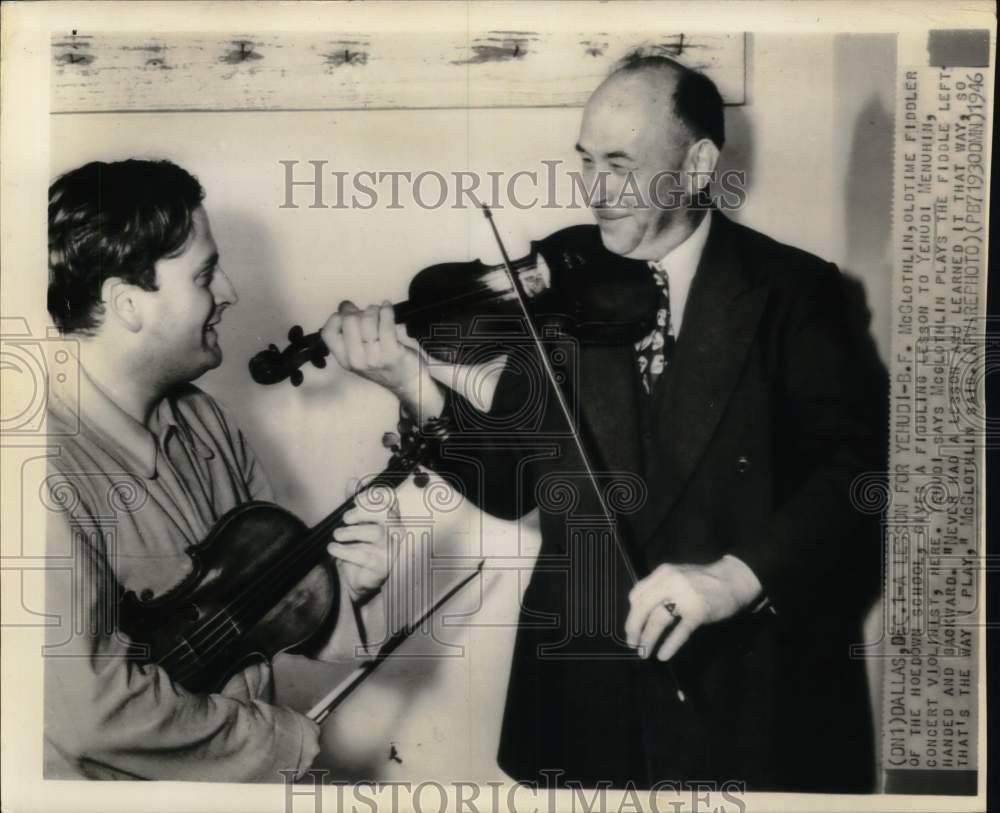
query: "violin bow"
319, 712
627, 554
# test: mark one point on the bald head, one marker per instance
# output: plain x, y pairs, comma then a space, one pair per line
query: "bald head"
689, 99
642, 103
650, 137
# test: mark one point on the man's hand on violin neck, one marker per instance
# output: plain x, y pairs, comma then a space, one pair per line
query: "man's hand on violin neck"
366, 342
677, 599
366, 545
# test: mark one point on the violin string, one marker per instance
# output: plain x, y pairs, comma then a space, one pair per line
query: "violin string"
209, 639
407, 310
304, 550
216, 629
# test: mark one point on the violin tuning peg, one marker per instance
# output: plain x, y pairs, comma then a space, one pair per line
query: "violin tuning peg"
319, 362
421, 479
295, 377
295, 333
389, 440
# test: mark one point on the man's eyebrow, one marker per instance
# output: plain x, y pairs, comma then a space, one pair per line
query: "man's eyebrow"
211, 262
610, 155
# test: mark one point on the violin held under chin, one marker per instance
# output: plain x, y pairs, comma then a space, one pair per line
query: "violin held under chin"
569, 280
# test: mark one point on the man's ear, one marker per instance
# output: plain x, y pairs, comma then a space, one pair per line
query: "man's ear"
120, 303
702, 158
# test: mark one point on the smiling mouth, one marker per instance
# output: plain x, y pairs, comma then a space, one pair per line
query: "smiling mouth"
607, 214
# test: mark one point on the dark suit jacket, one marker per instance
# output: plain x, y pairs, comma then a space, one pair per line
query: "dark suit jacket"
772, 405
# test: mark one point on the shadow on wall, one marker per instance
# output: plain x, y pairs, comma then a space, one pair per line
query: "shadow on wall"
260, 316
868, 185
738, 154
312, 440
390, 729
868, 205
868, 272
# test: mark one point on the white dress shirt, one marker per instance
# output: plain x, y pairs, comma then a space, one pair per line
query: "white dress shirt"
679, 265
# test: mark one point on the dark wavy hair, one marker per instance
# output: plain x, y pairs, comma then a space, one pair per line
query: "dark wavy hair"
697, 101
113, 220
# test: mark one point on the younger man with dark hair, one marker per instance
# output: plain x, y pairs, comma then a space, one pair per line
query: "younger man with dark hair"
135, 279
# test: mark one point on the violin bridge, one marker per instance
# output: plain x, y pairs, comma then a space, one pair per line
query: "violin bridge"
538, 279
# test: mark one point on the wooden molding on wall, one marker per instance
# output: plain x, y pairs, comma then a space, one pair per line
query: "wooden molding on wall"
116, 72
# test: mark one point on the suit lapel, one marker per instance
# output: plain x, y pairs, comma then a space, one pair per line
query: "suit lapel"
609, 422
608, 389
720, 320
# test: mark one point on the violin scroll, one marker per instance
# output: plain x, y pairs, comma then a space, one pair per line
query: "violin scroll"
272, 366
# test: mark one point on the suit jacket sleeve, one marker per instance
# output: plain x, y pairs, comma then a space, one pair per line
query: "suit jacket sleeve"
486, 455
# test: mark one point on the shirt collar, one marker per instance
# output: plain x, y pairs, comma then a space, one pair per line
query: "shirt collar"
678, 268
682, 260
117, 431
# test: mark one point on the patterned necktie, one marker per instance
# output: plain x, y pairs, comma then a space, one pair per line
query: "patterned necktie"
654, 350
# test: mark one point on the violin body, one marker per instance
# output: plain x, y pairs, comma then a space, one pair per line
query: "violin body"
258, 587
571, 280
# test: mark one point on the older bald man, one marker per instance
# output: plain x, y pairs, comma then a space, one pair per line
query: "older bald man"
744, 416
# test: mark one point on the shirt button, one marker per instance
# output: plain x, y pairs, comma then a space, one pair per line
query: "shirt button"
743, 464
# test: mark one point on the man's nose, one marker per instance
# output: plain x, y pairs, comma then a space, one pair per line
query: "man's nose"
604, 187
612, 188
222, 289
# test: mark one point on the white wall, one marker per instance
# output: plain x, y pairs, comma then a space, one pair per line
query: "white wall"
810, 139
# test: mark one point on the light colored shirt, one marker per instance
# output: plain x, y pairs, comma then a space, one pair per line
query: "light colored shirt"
679, 267
126, 501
